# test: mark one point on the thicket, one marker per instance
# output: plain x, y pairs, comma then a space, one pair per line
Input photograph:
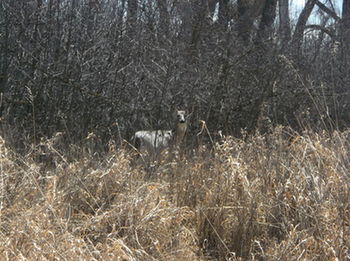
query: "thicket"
264, 170
263, 198
114, 67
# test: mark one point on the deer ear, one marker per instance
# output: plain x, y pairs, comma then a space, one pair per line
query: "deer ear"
175, 112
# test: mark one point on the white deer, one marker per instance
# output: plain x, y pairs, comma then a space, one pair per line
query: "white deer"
153, 142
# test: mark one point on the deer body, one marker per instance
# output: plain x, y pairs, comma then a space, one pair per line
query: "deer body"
153, 142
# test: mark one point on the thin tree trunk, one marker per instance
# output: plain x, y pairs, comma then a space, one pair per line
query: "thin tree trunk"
248, 11
4, 58
264, 60
345, 42
245, 21
186, 13
36, 53
284, 30
131, 18
345, 26
223, 13
267, 19
212, 6
198, 21
320, 39
328, 11
163, 28
298, 35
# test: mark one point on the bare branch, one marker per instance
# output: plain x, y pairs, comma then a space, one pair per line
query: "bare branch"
328, 11
324, 29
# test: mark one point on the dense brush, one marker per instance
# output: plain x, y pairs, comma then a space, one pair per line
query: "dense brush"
266, 197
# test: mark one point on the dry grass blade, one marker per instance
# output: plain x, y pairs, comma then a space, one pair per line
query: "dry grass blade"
266, 197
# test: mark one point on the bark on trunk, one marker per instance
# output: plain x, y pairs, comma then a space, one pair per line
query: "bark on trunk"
345, 42
284, 30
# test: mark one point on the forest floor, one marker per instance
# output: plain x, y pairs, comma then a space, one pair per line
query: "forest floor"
264, 197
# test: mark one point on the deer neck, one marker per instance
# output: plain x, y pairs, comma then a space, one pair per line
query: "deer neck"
180, 131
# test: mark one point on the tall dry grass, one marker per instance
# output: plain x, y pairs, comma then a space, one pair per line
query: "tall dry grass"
264, 197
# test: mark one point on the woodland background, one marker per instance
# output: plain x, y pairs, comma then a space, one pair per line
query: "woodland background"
263, 173
109, 66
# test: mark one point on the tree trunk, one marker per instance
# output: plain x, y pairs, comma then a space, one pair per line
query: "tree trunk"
163, 28
345, 26
267, 19
248, 11
223, 13
245, 21
35, 39
185, 12
131, 18
284, 30
298, 35
327, 10
212, 6
345, 42
4, 54
198, 22
264, 61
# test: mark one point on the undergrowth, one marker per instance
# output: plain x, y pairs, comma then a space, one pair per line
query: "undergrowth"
263, 197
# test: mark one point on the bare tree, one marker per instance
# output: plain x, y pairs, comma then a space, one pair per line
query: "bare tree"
112, 67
